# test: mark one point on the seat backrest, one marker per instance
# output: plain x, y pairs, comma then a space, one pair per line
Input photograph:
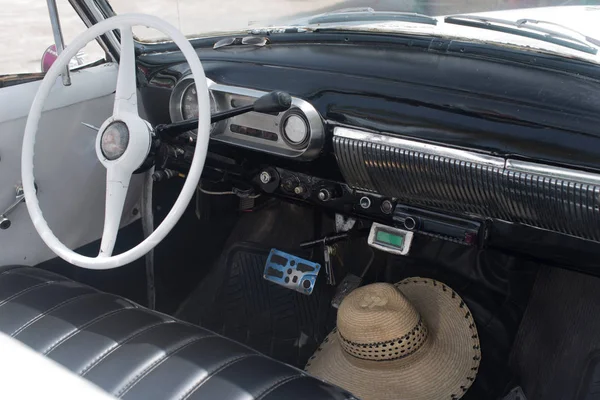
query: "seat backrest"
135, 353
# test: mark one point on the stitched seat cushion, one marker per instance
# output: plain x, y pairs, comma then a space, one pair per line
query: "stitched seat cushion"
135, 353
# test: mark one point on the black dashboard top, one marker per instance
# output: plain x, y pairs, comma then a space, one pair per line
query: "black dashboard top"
502, 108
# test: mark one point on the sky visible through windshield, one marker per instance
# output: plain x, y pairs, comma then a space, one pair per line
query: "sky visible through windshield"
197, 17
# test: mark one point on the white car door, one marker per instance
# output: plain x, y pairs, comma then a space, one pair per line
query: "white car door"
70, 179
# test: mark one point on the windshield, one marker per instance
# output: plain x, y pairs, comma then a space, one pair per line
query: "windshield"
205, 17
561, 26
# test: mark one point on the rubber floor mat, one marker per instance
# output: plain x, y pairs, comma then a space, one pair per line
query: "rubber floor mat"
235, 301
495, 286
559, 336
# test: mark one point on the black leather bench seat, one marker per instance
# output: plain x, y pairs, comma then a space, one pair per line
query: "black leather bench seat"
135, 353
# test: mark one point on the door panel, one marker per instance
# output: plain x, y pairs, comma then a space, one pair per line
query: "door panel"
70, 179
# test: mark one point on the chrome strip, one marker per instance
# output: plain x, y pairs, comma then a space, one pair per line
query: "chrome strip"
470, 156
110, 36
553, 172
317, 131
236, 90
421, 147
58, 38
78, 9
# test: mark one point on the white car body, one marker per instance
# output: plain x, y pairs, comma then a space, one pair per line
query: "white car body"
583, 19
19, 364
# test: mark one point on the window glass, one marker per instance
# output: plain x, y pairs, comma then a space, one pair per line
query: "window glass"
207, 17
25, 33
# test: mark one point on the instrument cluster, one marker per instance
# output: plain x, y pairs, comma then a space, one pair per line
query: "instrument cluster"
295, 133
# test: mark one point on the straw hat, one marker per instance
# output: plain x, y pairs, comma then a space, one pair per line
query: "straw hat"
412, 340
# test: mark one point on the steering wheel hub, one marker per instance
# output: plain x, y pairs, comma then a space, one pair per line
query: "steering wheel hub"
114, 140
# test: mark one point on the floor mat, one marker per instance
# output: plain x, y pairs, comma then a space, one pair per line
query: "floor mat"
238, 303
558, 339
496, 288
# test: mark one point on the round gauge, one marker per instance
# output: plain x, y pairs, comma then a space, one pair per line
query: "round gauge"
189, 103
295, 129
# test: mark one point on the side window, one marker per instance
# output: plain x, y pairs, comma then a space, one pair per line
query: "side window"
26, 33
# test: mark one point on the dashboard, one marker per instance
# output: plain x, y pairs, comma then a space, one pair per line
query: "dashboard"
473, 150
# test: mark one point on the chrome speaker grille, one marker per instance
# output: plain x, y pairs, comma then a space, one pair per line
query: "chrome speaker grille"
468, 183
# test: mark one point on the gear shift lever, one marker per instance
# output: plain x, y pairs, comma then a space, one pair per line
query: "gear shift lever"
273, 102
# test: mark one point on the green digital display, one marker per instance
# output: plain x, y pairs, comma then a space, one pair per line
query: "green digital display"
389, 239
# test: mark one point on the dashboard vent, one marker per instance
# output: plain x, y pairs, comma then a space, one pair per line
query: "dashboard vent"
469, 183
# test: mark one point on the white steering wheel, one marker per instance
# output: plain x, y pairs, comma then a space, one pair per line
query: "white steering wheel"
122, 144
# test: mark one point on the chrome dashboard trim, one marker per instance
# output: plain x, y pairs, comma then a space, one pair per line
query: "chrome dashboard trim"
317, 130
553, 172
472, 184
412, 145
546, 170
222, 133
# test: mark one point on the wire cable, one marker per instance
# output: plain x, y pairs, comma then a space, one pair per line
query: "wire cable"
210, 192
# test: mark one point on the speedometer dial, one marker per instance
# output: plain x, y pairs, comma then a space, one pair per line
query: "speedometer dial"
189, 103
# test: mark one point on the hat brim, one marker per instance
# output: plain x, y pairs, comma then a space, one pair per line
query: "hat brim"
444, 368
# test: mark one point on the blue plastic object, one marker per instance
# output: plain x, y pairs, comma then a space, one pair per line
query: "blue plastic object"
291, 272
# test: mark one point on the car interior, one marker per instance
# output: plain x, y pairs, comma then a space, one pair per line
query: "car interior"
193, 218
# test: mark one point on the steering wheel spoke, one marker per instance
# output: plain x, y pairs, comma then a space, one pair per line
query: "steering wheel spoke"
126, 93
117, 183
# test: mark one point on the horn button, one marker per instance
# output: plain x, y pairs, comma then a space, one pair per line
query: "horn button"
115, 140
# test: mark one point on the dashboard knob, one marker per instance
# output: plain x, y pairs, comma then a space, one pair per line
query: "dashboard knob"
288, 184
299, 190
329, 193
387, 207
324, 195
265, 177
268, 179
411, 223
365, 202
4, 222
